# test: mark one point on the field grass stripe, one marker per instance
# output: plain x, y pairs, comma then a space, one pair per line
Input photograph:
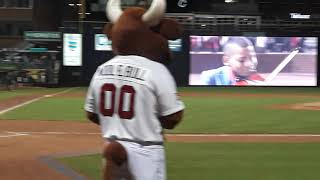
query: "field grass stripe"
184, 135
244, 135
54, 164
34, 100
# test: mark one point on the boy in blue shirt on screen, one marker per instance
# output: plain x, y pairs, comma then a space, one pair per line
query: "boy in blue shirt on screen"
239, 68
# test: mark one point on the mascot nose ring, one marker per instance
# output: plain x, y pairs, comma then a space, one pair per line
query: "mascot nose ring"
151, 17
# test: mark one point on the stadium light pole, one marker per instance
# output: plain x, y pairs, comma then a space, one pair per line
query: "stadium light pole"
81, 14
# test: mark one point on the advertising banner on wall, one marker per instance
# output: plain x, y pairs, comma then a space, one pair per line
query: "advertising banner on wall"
102, 43
42, 36
72, 49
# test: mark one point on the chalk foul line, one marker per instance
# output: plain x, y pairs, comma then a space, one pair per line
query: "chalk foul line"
12, 134
34, 100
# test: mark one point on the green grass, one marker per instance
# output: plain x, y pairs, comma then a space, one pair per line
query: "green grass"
216, 114
253, 90
67, 109
8, 94
53, 108
227, 161
247, 115
27, 91
89, 165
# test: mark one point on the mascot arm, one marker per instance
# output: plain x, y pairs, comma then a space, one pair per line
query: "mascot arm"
170, 121
93, 117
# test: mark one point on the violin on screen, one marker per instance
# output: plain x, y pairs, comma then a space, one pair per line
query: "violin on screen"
256, 79
253, 79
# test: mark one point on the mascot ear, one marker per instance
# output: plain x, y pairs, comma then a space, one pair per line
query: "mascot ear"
170, 29
107, 30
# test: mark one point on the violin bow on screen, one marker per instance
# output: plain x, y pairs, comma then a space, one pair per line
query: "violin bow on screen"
276, 71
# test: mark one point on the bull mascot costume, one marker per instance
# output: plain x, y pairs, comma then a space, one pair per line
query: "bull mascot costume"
139, 32
136, 31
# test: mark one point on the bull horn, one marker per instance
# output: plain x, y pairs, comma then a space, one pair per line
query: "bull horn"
155, 12
113, 10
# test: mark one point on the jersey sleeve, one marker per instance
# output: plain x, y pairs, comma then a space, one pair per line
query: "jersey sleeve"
89, 102
90, 105
168, 99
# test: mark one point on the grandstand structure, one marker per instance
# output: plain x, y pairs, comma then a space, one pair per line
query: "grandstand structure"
87, 17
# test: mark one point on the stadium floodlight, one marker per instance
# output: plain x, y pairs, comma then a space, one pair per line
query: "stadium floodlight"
230, 1
299, 16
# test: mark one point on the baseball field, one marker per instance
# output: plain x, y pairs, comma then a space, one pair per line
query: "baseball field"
247, 133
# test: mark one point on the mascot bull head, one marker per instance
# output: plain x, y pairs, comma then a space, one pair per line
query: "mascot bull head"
136, 31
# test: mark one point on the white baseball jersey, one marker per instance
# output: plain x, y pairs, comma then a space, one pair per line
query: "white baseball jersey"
129, 93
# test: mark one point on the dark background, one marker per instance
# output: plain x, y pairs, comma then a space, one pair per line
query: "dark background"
58, 15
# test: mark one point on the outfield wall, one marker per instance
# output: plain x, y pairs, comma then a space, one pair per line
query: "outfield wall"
180, 67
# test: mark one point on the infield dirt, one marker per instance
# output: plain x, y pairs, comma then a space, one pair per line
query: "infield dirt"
22, 143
